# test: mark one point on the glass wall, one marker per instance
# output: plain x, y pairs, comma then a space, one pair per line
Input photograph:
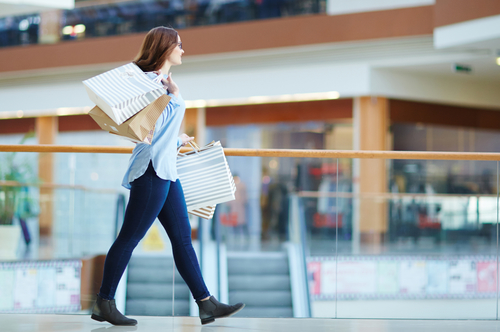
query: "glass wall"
79, 207
304, 237
401, 253
265, 184
423, 246
421, 251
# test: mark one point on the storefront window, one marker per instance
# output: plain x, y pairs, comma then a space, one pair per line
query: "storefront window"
453, 201
258, 218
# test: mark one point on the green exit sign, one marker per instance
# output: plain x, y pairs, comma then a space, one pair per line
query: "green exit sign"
461, 68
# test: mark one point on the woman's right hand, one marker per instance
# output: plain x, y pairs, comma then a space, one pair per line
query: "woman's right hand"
185, 139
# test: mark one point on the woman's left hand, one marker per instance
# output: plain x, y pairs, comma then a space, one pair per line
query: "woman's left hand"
170, 85
185, 139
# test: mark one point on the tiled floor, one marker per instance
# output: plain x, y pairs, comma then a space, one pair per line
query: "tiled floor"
77, 323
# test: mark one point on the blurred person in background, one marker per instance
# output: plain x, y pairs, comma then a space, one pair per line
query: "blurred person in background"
233, 215
156, 192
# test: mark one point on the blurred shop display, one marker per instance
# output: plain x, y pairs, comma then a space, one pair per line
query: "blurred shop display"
40, 286
19, 30
126, 17
442, 201
402, 277
264, 211
431, 205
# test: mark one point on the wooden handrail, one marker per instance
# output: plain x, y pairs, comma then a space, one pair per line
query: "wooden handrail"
388, 195
4, 183
302, 194
291, 153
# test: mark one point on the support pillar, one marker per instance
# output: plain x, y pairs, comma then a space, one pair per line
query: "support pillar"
371, 124
50, 27
195, 124
46, 131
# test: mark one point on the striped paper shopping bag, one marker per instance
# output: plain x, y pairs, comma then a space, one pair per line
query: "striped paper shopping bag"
206, 212
206, 179
123, 91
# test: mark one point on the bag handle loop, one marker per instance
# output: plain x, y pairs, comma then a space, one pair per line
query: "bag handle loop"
196, 148
157, 79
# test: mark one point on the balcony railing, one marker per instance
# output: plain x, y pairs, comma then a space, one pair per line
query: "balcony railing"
94, 20
312, 236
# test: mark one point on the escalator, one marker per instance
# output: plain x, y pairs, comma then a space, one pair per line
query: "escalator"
149, 288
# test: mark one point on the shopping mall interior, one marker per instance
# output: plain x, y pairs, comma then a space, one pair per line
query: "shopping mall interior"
363, 137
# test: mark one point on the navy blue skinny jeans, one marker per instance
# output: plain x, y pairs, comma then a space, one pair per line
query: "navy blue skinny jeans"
152, 197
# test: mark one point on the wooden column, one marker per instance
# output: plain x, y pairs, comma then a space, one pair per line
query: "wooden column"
50, 27
46, 131
194, 124
371, 117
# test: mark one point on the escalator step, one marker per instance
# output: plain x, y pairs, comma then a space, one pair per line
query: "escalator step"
262, 298
156, 308
163, 291
261, 282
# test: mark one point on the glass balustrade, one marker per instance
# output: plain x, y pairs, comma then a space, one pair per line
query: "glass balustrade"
418, 243
304, 237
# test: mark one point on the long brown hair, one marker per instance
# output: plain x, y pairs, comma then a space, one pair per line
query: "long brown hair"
156, 48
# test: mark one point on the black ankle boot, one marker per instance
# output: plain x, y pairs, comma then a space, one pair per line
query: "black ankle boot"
105, 310
211, 309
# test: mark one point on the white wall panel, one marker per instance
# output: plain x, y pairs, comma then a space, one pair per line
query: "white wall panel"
42, 3
348, 80
469, 33
27, 97
464, 91
23, 7
338, 7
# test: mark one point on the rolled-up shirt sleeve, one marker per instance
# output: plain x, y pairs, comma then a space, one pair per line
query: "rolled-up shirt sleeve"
168, 111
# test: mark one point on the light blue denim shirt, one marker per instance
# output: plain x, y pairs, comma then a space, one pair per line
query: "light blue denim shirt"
163, 149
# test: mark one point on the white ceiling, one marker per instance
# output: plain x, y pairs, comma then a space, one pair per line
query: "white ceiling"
26, 7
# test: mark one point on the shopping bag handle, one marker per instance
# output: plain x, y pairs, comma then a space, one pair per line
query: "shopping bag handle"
196, 148
157, 79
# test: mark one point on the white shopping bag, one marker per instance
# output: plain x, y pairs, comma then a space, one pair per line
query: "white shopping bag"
206, 179
123, 91
204, 212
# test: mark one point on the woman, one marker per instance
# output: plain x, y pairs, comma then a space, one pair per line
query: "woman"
155, 191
